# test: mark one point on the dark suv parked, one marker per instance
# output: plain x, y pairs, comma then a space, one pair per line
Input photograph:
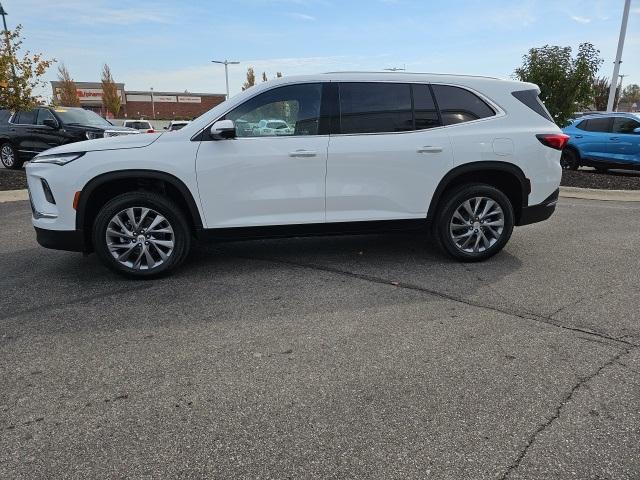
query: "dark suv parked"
24, 134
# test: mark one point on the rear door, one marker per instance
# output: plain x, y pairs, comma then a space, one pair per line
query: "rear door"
592, 138
624, 145
385, 162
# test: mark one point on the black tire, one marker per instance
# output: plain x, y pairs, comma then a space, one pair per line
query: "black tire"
9, 157
452, 201
569, 160
162, 207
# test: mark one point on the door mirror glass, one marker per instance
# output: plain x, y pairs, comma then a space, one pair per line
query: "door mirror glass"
223, 129
50, 122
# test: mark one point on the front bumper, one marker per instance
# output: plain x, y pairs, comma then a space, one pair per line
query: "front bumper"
540, 212
70, 240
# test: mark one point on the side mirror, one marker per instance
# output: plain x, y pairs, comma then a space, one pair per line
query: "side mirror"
636, 130
51, 123
166, 128
223, 130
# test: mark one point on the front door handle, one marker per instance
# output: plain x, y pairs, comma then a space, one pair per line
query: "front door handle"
303, 153
615, 139
429, 149
577, 136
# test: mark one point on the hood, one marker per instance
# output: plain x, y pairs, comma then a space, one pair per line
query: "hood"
111, 143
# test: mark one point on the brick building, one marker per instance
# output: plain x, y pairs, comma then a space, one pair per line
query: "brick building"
141, 104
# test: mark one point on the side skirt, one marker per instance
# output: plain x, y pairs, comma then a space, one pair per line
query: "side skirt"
312, 229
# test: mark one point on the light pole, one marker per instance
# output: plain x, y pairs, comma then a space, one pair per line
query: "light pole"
153, 105
226, 64
6, 37
616, 65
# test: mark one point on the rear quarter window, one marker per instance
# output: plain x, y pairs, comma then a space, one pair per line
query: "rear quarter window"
530, 99
458, 105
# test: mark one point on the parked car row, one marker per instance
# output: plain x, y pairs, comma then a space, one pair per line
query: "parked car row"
603, 141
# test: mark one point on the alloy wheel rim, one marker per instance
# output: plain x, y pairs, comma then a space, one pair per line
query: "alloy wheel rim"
140, 238
7, 156
477, 224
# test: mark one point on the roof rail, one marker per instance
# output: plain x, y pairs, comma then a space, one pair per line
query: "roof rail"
413, 73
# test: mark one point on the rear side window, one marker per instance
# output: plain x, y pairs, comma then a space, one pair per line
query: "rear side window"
375, 107
530, 99
625, 125
26, 117
595, 125
458, 105
426, 114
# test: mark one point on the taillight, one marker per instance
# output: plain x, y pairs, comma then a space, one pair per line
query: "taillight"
556, 141
151, 130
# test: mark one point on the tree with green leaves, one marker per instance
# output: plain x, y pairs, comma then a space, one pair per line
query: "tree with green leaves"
20, 73
67, 94
264, 77
251, 79
631, 93
566, 82
110, 95
601, 86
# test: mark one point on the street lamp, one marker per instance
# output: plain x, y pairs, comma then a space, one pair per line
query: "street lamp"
153, 105
616, 65
226, 64
6, 37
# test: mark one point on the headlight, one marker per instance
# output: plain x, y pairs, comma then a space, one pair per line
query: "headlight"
94, 135
58, 159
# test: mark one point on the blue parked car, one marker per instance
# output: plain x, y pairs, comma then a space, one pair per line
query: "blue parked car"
603, 141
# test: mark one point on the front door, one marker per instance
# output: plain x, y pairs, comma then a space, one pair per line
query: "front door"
273, 172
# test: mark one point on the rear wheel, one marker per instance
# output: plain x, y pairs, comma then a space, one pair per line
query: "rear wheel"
9, 156
141, 235
474, 223
569, 159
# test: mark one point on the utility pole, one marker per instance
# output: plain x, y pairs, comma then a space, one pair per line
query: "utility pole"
616, 65
619, 91
153, 105
6, 38
226, 64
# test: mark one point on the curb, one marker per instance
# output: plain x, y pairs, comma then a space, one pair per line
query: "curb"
565, 192
596, 194
14, 195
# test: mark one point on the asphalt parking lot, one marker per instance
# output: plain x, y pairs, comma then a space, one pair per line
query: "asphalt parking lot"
343, 357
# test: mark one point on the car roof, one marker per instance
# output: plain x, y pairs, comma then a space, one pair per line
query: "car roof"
609, 114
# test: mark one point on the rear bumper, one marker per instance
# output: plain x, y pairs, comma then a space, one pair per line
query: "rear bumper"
540, 212
70, 240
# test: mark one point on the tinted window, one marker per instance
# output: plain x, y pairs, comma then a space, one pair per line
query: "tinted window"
426, 115
4, 116
26, 117
44, 113
290, 110
458, 105
375, 107
625, 125
138, 125
595, 125
531, 100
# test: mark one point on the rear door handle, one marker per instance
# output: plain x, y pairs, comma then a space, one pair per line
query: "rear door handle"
615, 139
429, 149
303, 153
577, 136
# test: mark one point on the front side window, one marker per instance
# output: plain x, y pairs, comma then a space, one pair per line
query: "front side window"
43, 114
602, 125
458, 105
625, 125
26, 117
375, 107
283, 111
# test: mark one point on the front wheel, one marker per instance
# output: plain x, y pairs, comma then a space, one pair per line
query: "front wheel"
9, 156
474, 222
141, 235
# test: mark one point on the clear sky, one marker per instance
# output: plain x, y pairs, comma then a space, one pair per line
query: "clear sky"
168, 45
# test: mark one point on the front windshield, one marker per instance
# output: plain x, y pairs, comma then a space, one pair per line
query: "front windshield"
81, 116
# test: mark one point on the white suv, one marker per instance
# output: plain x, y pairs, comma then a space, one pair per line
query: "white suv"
465, 158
